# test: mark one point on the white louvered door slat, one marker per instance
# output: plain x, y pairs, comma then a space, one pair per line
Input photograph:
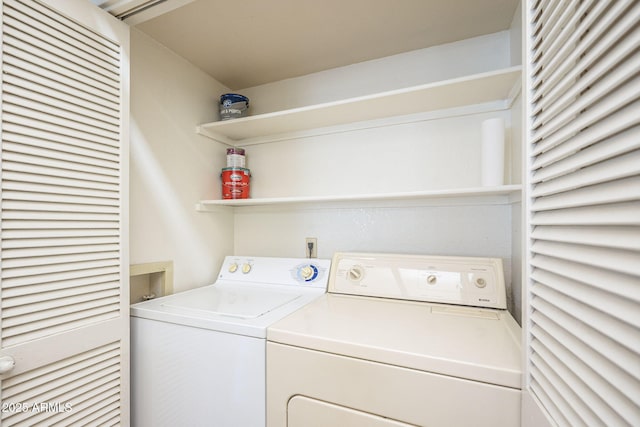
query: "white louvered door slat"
583, 125
561, 81
17, 23
613, 237
17, 132
59, 379
17, 72
614, 126
64, 272
74, 30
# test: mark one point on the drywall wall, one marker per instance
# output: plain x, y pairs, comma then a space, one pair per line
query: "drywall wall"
172, 167
448, 61
515, 37
426, 155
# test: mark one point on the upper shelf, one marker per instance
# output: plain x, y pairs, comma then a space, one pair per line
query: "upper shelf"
464, 91
477, 195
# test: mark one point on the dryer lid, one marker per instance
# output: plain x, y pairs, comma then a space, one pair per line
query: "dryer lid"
472, 343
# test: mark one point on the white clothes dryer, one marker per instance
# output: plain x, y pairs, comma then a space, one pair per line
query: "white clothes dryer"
198, 357
398, 340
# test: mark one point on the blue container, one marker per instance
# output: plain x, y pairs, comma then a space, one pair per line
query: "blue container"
233, 105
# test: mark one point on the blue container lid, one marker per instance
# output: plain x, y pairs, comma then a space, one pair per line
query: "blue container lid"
232, 98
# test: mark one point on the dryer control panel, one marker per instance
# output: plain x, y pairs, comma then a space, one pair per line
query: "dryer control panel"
451, 280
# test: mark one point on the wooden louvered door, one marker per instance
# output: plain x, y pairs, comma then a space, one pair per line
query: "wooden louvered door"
64, 272
583, 327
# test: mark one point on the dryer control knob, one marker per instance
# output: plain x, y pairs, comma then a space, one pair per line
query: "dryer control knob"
355, 274
480, 282
233, 268
432, 279
246, 268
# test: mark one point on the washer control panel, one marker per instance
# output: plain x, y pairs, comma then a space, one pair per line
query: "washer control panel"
451, 280
279, 271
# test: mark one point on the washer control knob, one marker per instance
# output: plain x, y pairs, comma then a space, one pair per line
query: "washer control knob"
306, 272
355, 274
233, 268
246, 268
432, 279
480, 282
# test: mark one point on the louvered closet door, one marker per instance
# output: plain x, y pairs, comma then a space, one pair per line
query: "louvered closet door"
64, 276
583, 330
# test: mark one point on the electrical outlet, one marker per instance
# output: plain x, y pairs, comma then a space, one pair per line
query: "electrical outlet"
311, 247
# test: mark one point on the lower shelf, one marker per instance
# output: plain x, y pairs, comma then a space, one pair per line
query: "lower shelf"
505, 194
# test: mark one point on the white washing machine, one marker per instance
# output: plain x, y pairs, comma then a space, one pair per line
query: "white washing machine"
399, 340
198, 357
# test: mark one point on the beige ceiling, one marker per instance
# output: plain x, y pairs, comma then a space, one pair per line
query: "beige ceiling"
245, 43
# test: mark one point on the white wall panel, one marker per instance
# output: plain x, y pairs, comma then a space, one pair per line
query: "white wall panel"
172, 167
427, 155
448, 61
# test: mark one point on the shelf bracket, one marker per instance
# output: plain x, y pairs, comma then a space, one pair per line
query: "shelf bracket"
200, 130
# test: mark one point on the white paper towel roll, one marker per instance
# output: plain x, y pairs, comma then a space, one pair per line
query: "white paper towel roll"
492, 156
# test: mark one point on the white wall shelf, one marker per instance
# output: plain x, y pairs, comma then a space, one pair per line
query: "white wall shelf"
494, 86
505, 194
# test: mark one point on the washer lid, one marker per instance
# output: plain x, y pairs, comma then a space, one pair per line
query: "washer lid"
232, 308
242, 302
